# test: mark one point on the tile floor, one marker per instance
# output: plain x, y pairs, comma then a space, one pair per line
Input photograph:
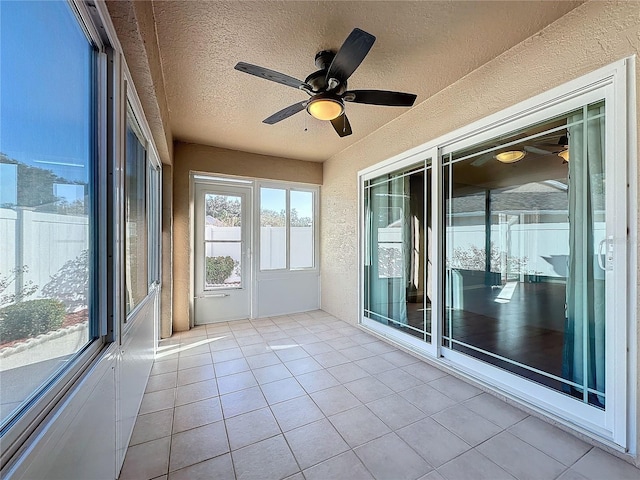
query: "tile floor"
308, 396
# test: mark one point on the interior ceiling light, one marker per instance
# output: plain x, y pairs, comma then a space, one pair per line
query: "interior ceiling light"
510, 156
324, 107
564, 155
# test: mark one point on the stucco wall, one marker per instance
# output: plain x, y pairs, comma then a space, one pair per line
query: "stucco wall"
201, 158
589, 37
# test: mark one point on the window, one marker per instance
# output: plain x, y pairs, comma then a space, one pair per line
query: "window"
287, 228
48, 200
136, 228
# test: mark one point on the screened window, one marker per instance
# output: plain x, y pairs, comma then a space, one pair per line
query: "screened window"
47, 198
136, 228
287, 228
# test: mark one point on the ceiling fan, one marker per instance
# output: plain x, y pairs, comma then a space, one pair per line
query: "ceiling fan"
328, 86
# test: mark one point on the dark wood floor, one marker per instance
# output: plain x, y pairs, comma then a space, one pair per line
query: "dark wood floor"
528, 329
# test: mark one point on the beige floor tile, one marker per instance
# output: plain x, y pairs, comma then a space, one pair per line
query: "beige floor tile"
469, 426
519, 458
455, 388
368, 389
335, 400
195, 392
197, 414
398, 380
296, 412
161, 381
551, 440
597, 465
272, 373
473, 465
433, 442
390, 457
270, 458
359, 425
315, 443
427, 399
231, 366
395, 411
495, 410
251, 427
147, 460
316, 381
195, 374
242, 401
155, 401
235, 382
282, 390
219, 467
198, 444
194, 361
344, 465
152, 426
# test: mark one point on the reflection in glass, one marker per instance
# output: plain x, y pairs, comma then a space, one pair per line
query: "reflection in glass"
223, 241
397, 291
301, 229
47, 224
135, 190
273, 228
524, 283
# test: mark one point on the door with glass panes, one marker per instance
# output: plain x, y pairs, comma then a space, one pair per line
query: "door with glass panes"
222, 234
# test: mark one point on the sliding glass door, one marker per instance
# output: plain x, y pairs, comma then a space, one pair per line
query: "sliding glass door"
397, 251
525, 253
507, 256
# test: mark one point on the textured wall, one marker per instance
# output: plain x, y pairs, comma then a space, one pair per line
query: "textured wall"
191, 157
587, 38
135, 26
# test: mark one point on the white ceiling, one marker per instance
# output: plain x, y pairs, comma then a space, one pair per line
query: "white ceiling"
421, 47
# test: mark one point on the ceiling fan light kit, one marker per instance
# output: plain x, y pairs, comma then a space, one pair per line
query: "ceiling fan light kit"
328, 86
510, 156
325, 107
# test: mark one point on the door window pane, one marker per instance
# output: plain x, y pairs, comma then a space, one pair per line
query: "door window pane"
136, 245
273, 229
301, 229
47, 223
223, 241
524, 268
397, 290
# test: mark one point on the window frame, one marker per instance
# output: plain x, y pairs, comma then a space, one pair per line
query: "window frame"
288, 187
132, 107
42, 401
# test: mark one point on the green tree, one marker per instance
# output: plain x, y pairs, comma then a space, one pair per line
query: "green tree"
224, 209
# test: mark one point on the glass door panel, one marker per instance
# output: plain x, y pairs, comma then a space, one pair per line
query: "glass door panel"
397, 271
524, 242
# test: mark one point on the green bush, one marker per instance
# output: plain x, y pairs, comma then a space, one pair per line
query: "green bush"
219, 269
30, 318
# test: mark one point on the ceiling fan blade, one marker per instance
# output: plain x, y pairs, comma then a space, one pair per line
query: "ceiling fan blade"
350, 55
269, 75
285, 113
478, 162
537, 151
341, 125
381, 97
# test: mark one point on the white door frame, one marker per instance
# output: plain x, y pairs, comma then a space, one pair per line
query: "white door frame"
235, 303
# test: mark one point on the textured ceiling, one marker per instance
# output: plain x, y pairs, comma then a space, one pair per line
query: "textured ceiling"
421, 47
